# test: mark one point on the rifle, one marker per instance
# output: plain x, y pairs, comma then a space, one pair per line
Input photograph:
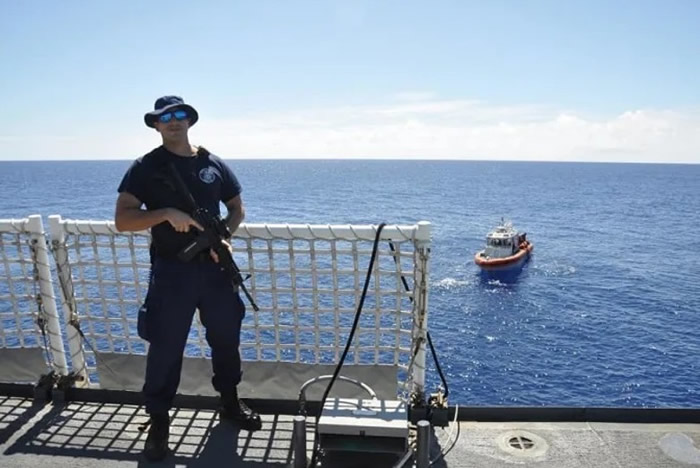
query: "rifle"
215, 230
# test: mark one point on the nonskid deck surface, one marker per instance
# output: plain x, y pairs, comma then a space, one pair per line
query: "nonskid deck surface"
90, 434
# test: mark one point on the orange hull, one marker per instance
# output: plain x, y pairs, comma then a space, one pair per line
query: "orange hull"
524, 250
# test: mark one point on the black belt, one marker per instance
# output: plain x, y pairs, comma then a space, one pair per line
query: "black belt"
202, 257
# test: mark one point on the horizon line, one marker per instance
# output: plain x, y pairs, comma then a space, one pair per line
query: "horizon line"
360, 158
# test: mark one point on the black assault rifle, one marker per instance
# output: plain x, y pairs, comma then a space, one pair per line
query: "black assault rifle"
215, 230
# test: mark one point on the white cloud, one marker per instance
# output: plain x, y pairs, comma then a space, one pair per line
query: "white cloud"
460, 130
417, 126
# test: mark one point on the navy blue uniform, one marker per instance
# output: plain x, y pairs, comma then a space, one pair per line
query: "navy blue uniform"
178, 288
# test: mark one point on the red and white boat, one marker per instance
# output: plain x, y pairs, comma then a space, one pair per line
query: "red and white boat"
506, 248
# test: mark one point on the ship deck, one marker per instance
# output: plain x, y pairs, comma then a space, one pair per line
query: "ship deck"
100, 428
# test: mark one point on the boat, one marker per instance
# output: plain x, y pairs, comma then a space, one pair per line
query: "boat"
506, 249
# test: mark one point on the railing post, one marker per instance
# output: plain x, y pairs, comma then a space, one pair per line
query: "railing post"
70, 314
423, 445
420, 313
299, 442
48, 301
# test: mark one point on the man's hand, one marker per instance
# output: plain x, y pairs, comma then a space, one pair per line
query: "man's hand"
182, 222
213, 254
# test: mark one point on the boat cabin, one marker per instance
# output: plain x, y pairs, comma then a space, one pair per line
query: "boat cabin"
503, 241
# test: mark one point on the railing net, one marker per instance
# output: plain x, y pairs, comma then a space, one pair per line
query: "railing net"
28, 316
306, 279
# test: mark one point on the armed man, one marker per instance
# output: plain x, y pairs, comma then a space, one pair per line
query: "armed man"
191, 267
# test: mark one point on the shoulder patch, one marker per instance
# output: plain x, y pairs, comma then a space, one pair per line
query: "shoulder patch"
208, 174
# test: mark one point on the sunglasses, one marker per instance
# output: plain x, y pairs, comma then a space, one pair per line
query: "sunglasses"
168, 116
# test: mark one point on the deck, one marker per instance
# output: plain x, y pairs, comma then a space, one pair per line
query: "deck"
105, 434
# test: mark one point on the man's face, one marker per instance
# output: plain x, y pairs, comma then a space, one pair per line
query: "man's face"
173, 125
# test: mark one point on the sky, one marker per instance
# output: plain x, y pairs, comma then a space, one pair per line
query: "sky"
545, 80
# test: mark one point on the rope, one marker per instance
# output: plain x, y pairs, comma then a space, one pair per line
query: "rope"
65, 280
41, 311
420, 339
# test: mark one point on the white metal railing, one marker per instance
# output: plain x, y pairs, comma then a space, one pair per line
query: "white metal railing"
27, 301
101, 283
306, 280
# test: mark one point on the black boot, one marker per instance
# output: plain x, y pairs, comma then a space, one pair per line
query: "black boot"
156, 447
235, 410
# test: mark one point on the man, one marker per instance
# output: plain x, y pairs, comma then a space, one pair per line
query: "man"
177, 288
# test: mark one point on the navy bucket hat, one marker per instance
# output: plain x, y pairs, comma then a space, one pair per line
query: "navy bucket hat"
170, 103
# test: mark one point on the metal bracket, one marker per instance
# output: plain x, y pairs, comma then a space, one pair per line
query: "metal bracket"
44, 386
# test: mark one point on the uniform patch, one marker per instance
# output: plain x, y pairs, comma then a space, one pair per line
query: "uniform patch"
208, 174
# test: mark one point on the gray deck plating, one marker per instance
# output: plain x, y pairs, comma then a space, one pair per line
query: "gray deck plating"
88, 434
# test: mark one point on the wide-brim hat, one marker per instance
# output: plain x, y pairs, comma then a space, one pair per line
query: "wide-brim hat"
170, 103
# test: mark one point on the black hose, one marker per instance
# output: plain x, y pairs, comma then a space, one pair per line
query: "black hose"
430, 341
355, 322
437, 366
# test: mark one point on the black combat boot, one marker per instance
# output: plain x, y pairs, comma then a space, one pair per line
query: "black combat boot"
156, 447
235, 410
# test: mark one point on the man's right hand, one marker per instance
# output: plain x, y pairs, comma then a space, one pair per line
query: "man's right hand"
181, 221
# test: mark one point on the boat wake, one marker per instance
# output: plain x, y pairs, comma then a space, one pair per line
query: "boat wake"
451, 283
554, 269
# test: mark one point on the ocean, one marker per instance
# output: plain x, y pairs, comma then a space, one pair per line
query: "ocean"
604, 314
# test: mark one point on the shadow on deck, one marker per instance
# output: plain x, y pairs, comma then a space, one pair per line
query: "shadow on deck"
79, 434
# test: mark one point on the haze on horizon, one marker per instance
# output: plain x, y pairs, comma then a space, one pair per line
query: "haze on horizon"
502, 80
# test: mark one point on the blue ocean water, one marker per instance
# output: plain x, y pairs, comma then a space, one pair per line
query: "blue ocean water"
604, 314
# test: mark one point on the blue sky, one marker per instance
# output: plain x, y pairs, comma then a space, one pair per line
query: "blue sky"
534, 80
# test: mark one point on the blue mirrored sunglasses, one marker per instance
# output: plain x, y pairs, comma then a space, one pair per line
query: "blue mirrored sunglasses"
168, 116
